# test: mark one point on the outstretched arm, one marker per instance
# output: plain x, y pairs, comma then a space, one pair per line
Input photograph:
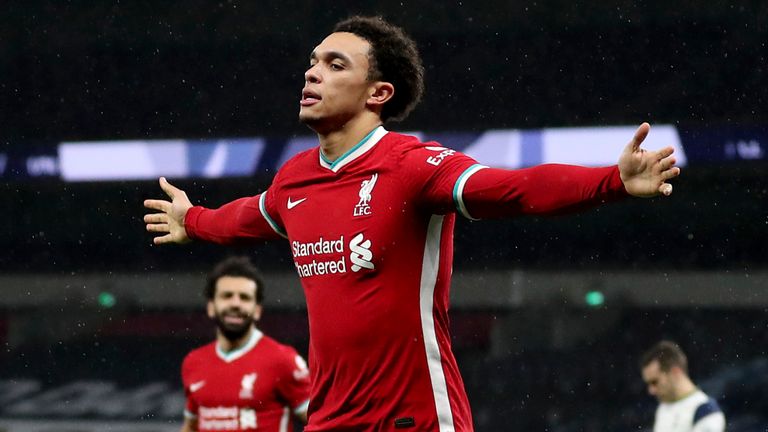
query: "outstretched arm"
552, 189
240, 221
645, 172
169, 222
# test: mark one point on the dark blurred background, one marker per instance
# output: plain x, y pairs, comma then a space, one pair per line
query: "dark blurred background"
94, 319
105, 70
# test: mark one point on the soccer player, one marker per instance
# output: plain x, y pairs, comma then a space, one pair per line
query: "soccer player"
369, 217
682, 406
244, 380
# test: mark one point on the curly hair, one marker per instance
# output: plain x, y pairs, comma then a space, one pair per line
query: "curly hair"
394, 58
239, 266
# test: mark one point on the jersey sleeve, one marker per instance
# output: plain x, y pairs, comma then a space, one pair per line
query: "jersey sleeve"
293, 386
708, 418
190, 406
433, 172
548, 189
241, 221
448, 180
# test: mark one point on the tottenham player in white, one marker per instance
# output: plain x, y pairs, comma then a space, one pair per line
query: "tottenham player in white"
682, 406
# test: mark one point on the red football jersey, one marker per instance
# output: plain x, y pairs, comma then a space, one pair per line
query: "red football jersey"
253, 388
372, 239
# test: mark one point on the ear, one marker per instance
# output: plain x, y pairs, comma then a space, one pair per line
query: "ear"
676, 371
380, 93
257, 312
210, 309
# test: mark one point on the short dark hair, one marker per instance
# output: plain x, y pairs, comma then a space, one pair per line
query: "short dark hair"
236, 266
668, 354
394, 58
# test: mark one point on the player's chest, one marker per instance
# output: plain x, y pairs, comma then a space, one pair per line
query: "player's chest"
347, 225
231, 385
677, 419
335, 204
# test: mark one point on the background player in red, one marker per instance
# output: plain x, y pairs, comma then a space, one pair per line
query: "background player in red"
369, 215
245, 380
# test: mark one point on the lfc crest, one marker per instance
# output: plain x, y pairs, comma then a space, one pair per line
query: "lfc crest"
246, 389
366, 188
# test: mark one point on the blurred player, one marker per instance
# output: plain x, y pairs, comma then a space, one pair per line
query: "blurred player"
245, 380
369, 216
682, 406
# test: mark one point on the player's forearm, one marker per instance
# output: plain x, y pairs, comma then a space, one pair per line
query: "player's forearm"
239, 221
541, 190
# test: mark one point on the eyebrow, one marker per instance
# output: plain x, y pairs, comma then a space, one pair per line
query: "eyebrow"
332, 55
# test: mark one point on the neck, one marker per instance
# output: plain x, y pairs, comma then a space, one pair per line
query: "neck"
228, 345
335, 143
684, 388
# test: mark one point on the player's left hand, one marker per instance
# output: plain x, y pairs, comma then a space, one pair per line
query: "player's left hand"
644, 172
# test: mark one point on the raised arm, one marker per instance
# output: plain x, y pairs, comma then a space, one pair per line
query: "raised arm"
169, 222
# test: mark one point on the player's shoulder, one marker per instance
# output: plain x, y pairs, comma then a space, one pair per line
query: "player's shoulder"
406, 147
201, 353
401, 141
706, 407
278, 351
199, 358
301, 160
284, 357
295, 167
274, 345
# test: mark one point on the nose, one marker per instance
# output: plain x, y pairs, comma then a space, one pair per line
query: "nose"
234, 303
312, 75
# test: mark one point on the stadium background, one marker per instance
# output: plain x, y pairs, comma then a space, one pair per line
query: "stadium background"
94, 320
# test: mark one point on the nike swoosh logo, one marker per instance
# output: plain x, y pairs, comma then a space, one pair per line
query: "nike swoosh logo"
195, 386
292, 204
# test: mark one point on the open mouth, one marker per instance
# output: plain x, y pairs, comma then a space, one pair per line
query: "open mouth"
308, 97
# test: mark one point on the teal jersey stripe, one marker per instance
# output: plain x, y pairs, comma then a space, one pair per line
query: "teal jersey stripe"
458, 189
270, 221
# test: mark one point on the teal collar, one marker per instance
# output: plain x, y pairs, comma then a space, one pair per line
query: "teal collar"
359, 149
235, 354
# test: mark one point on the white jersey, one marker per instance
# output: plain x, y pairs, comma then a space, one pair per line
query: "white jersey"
695, 413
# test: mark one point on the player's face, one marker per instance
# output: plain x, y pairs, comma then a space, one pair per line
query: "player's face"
234, 306
336, 85
659, 383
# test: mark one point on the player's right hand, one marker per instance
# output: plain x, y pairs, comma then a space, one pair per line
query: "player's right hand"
170, 219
